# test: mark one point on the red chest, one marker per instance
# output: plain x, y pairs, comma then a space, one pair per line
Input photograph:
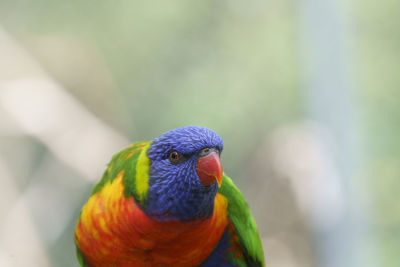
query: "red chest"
114, 231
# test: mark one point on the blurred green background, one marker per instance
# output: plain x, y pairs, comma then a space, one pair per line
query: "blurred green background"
304, 93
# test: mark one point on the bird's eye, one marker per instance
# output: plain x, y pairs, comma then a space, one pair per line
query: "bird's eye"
173, 156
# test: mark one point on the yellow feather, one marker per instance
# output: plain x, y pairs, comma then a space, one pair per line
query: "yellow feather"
142, 174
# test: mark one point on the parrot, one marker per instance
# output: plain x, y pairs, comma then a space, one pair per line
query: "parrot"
167, 202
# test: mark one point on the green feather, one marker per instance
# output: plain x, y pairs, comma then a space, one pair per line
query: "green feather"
243, 222
81, 260
126, 160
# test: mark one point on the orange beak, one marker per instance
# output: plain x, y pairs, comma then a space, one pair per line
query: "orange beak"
209, 169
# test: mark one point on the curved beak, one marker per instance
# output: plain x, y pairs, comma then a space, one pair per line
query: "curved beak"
209, 169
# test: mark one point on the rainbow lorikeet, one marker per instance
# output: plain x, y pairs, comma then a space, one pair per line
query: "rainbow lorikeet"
168, 203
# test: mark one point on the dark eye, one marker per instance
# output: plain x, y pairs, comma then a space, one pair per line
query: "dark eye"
173, 156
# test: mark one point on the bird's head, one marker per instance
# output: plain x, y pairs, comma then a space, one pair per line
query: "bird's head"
185, 173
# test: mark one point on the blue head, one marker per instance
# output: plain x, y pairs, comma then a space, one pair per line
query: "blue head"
185, 172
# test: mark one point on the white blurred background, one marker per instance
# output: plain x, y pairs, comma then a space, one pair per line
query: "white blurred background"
304, 94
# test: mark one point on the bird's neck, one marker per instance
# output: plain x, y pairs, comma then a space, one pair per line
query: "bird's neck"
186, 206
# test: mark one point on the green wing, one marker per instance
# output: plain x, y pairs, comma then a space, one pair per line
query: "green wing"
243, 223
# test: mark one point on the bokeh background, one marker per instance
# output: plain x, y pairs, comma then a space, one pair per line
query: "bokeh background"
304, 93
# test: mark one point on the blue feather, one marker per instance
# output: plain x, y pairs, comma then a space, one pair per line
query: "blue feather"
175, 191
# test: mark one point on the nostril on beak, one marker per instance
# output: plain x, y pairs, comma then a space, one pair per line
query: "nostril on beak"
206, 151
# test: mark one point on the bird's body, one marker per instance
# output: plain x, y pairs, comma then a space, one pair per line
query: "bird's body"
167, 203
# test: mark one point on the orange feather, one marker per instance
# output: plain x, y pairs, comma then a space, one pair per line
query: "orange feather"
114, 231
